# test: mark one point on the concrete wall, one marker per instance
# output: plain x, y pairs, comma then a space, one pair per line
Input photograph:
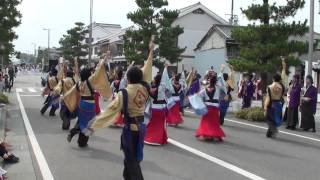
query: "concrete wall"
215, 41
207, 58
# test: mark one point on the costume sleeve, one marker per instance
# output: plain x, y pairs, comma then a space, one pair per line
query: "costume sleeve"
61, 72
221, 83
166, 81
107, 117
231, 79
124, 81
76, 71
100, 81
58, 88
147, 68
202, 93
71, 99
189, 79
284, 75
183, 81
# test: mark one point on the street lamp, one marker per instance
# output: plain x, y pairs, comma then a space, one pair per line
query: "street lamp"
311, 37
2, 48
35, 49
47, 29
90, 32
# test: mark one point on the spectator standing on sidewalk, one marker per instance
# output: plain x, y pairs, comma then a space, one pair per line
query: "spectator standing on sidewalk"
309, 106
294, 101
247, 91
1, 81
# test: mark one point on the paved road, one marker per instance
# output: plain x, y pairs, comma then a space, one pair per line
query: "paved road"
245, 153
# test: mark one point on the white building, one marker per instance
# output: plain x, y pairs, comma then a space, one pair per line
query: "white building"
196, 20
215, 48
100, 31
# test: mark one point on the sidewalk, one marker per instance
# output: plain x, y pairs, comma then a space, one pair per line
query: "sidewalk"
235, 106
17, 138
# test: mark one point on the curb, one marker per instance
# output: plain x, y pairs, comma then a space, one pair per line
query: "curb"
3, 117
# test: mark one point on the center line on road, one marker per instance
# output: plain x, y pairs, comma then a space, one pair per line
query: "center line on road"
265, 128
216, 160
42, 163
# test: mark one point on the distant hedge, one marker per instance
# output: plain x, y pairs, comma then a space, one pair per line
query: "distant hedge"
251, 114
4, 99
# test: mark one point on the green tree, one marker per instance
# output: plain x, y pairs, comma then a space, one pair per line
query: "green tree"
72, 43
263, 43
10, 18
151, 18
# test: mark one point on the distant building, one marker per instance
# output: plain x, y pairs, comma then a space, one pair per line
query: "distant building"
196, 20
100, 31
114, 44
215, 48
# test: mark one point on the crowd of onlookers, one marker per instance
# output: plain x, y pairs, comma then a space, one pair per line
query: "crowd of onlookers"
7, 76
301, 101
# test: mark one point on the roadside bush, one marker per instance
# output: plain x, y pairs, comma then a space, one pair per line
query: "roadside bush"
251, 114
4, 99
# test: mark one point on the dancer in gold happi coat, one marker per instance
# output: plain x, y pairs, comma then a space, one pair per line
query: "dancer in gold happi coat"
132, 101
52, 99
62, 88
80, 99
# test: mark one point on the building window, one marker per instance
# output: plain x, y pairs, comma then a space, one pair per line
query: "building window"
233, 49
120, 49
96, 50
198, 11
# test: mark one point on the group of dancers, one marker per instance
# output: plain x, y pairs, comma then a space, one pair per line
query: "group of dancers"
144, 106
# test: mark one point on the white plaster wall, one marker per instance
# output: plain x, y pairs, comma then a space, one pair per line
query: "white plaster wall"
215, 41
205, 59
195, 27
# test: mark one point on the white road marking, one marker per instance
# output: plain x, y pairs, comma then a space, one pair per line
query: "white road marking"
216, 160
265, 128
19, 90
32, 90
30, 95
43, 165
283, 132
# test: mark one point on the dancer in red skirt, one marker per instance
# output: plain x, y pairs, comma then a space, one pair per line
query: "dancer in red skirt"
209, 128
156, 133
97, 102
174, 117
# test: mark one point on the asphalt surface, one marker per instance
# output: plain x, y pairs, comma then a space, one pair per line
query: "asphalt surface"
294, 157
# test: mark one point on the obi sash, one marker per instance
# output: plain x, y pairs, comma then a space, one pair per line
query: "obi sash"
132, 124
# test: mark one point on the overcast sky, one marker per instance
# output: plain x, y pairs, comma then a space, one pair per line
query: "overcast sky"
60, 15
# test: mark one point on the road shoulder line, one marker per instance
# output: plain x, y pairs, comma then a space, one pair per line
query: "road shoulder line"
42, 163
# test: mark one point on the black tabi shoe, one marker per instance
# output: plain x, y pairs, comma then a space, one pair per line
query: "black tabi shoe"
69, 138
269, 134
11, 159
